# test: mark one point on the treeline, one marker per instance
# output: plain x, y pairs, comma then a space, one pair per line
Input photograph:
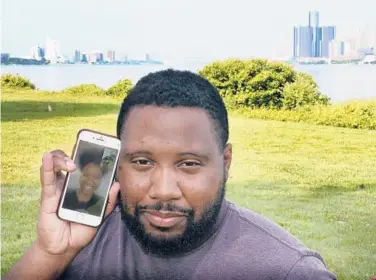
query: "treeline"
258, 89
23, 61
118, 90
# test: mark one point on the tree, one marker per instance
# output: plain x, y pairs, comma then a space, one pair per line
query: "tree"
261, 83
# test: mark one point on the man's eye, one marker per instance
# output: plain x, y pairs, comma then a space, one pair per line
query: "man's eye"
141, 162
190, 164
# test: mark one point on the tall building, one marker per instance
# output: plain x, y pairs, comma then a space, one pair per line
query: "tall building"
53, 50
350, 48
4, 57
96, 56
42, 52
313, 40
328, 33
77, 56
336, 49
111, 55
313, 22
303, 36
313, 19
84, 58
295, 51
37, 53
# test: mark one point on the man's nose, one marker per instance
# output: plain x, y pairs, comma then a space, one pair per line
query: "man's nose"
165, 186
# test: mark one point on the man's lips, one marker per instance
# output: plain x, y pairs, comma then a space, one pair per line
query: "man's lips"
163, 218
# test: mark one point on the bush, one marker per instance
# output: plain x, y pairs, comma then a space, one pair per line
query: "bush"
353, 114
303, 91
88, 89
261, 83
16, 81
120, 89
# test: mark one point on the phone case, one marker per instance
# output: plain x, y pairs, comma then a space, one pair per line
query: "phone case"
72, 153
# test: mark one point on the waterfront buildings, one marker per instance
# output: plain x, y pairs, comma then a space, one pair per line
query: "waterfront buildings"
313, 40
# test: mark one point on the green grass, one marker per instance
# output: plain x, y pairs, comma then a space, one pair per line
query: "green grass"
318, 182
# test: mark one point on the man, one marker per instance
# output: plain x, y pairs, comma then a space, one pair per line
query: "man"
83, 198
171, 220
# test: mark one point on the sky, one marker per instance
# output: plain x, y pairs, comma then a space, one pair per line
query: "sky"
168, 29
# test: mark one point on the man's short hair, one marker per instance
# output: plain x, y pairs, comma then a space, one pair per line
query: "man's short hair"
175, 88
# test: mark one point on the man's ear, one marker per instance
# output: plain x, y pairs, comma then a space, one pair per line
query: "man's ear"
227, 157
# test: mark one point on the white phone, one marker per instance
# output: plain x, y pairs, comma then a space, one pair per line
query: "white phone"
85, 193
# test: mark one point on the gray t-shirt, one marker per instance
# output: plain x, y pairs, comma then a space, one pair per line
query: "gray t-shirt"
241, 245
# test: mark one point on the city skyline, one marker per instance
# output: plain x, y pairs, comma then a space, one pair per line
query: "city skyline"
51, 51
312, 40
176, 28
321, 42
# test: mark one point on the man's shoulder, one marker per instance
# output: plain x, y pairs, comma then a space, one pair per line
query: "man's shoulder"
267, 246
253, 223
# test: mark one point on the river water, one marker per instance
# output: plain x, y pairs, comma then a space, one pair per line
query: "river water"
339, 82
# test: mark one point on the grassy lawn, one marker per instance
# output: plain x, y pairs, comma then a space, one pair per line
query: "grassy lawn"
317, 182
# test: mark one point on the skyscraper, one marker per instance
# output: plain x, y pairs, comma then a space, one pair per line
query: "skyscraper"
313, 22
37, 52
328, 33
296, 43
96, 56
84, 58
303, 36
313, 40
313, 19
336, 48
77, 56
52, 50
111, 55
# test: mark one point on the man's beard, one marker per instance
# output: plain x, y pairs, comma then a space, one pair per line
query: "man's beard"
194, 234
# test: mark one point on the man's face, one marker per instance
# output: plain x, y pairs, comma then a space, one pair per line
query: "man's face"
90, 178
172, 173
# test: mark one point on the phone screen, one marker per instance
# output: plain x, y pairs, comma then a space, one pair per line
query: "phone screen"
87, 186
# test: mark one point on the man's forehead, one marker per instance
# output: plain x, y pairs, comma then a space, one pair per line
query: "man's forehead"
168, 124
159, 116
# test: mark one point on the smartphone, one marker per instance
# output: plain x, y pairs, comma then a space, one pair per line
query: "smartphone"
86, 190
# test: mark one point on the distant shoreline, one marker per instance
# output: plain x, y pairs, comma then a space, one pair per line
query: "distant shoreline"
86, 64
339, 82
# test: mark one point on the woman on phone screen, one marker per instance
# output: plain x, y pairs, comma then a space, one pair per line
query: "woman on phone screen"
84, 198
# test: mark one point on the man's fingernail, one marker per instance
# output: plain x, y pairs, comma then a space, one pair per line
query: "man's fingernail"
70, 163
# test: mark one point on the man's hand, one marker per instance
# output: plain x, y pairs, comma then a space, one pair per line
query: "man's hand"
55, 236
57, 241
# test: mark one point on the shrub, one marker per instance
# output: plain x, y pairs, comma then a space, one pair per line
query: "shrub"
16, 81
353, 114
303, 91
261, 83
86, 89
120, 89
